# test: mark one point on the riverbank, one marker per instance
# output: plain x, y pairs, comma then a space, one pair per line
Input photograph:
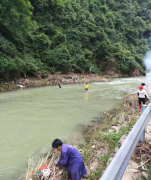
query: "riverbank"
53, 80
101, 142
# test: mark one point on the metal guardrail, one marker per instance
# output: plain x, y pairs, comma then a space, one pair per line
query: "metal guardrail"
120, 161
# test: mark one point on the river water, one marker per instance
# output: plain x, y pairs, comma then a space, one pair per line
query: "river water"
31, 119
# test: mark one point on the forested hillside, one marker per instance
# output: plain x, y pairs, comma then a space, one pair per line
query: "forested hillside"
48, 36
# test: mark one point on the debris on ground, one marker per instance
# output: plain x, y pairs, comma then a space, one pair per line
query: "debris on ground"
45, 168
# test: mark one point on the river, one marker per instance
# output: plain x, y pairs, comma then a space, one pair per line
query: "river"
31, 119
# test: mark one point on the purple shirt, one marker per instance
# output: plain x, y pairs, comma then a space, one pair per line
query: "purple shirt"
72, 160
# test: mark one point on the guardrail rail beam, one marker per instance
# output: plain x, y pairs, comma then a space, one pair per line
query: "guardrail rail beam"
120, 161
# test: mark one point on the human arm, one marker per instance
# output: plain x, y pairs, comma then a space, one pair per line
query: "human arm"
63, 161
147, 95
135, 92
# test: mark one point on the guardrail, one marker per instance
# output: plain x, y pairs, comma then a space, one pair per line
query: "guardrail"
120, 161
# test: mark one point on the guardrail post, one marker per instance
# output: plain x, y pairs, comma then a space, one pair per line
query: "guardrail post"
142, 138
143, 108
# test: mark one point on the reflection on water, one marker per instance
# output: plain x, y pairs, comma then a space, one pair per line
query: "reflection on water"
86, 96
31, 119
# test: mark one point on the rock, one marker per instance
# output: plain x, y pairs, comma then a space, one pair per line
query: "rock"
147, 138
112, 155
127, 176
104, 133
109, 72
88, 171
93, 146
94, 165
26, 82
115, 128
104, 79
109, 161
134, 170
120, 142
137, 157
126, 118
116, 149
145, 174
143, 156
134, 165
113, 124
117, 76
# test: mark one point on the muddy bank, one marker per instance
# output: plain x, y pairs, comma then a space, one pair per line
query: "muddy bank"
102, 141
53, 80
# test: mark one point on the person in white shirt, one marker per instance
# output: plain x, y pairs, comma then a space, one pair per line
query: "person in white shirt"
141, 94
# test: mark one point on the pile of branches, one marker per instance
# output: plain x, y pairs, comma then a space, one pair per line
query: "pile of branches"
143, 154
48, 160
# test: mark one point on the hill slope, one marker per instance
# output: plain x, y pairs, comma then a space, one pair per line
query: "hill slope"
73, 36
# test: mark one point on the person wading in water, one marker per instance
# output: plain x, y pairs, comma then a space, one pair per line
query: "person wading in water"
141, 94
86, 87
59, 84
71, 159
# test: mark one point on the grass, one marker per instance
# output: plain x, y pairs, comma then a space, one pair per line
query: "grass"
104, 159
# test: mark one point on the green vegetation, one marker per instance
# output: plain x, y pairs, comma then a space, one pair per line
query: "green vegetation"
112, 138
104, 158
73, 36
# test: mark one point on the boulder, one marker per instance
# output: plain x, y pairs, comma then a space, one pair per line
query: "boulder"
127, 176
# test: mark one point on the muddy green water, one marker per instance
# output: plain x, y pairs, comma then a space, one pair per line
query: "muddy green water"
31, 119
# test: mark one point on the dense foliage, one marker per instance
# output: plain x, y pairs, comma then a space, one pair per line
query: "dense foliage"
48, 36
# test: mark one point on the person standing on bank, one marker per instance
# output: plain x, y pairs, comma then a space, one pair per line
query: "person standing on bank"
71, 159
141, 94
144, 87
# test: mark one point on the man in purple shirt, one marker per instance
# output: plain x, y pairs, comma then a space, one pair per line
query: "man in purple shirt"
71, 159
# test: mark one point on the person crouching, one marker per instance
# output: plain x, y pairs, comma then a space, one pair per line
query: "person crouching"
71, 159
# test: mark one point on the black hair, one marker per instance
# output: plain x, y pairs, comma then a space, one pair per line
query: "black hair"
143, 84
56, 143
